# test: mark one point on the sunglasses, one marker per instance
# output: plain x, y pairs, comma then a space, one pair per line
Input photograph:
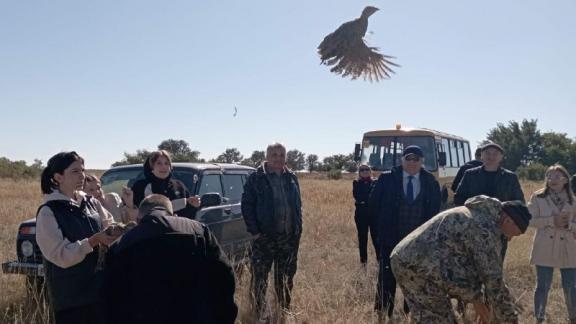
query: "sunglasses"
363, 170
412, 158
555, 177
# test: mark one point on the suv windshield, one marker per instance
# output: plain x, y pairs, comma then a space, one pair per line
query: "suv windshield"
115, 180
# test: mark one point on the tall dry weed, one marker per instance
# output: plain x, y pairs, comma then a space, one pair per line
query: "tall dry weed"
330, 286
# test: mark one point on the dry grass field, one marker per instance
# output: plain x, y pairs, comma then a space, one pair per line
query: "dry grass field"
330, 286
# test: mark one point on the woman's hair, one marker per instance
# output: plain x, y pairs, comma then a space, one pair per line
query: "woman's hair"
89, 178
154, 156
567, 186
57, 164
92, 178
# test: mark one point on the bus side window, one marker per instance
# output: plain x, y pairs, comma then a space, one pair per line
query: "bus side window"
467, 151
447, 149
460, 148
454, 153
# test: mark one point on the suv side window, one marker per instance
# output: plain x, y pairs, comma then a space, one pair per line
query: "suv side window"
210, 183
187, 177
233, 187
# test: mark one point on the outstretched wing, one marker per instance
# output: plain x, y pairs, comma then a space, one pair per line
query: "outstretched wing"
363, 61
348, 54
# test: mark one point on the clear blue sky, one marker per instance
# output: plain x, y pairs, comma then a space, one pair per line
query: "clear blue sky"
105, 77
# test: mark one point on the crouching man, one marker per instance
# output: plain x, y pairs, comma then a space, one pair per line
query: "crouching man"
168, 269
454, 255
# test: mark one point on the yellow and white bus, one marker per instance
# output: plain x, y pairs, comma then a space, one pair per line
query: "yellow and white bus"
444, 153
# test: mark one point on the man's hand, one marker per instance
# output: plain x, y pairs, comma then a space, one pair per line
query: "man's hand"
482, 313
194, 201
101, 238
256, 236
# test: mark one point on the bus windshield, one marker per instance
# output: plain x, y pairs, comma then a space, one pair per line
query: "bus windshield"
384, 152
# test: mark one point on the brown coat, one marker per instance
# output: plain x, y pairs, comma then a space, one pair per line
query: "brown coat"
553, 247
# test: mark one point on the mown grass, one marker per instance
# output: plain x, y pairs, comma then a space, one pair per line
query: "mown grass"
330, 286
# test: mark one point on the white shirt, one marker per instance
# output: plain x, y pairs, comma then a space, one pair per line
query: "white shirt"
415, 183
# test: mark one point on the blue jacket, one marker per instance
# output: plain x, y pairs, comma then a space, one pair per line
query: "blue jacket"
258, 202
385, 202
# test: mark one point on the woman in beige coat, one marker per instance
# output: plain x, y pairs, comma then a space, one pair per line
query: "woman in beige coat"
553, 212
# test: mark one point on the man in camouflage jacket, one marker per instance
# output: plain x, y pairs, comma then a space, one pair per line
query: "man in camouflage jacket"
454, 255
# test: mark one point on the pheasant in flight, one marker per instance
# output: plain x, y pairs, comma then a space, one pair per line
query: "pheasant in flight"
348, 54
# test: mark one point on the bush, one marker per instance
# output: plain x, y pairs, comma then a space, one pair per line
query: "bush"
19, 169
534, 171
334, 174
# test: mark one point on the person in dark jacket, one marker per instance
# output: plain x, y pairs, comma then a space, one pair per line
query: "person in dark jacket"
168, 270
158, 179
467, 166
70, 229
490, 179
272, 210
573, 184
361, 189
402, 199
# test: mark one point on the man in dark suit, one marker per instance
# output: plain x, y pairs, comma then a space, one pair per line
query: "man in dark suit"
403, 199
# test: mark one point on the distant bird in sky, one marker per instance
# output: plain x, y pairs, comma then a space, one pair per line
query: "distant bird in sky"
235, 112
346, 51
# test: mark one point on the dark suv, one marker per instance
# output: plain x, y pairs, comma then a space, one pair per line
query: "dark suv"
225, 220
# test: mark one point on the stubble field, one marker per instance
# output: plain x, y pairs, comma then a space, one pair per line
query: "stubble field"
330, 286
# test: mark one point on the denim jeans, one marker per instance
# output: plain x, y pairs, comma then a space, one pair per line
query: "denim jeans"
544, 281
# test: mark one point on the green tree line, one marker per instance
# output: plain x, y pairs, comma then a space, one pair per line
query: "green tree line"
528, 151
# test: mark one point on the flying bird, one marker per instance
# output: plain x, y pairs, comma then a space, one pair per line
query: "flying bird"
235, 112
346, 51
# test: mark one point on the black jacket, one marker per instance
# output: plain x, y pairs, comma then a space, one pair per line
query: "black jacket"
385, 202
168, 270
361, 191
574, 184
469, 165
169, 187
507, 186
258, 202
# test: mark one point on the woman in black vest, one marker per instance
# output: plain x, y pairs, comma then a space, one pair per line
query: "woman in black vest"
361, 189
69, 229
158, 180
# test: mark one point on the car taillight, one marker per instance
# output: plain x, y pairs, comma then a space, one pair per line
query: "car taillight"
28, 230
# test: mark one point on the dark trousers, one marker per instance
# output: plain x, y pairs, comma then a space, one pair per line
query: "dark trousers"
89, 314
365, 223
386, 288
281, 251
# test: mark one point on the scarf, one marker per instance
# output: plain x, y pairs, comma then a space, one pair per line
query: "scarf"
559, 198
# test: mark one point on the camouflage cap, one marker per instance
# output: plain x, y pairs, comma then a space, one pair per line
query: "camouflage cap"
518, 212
